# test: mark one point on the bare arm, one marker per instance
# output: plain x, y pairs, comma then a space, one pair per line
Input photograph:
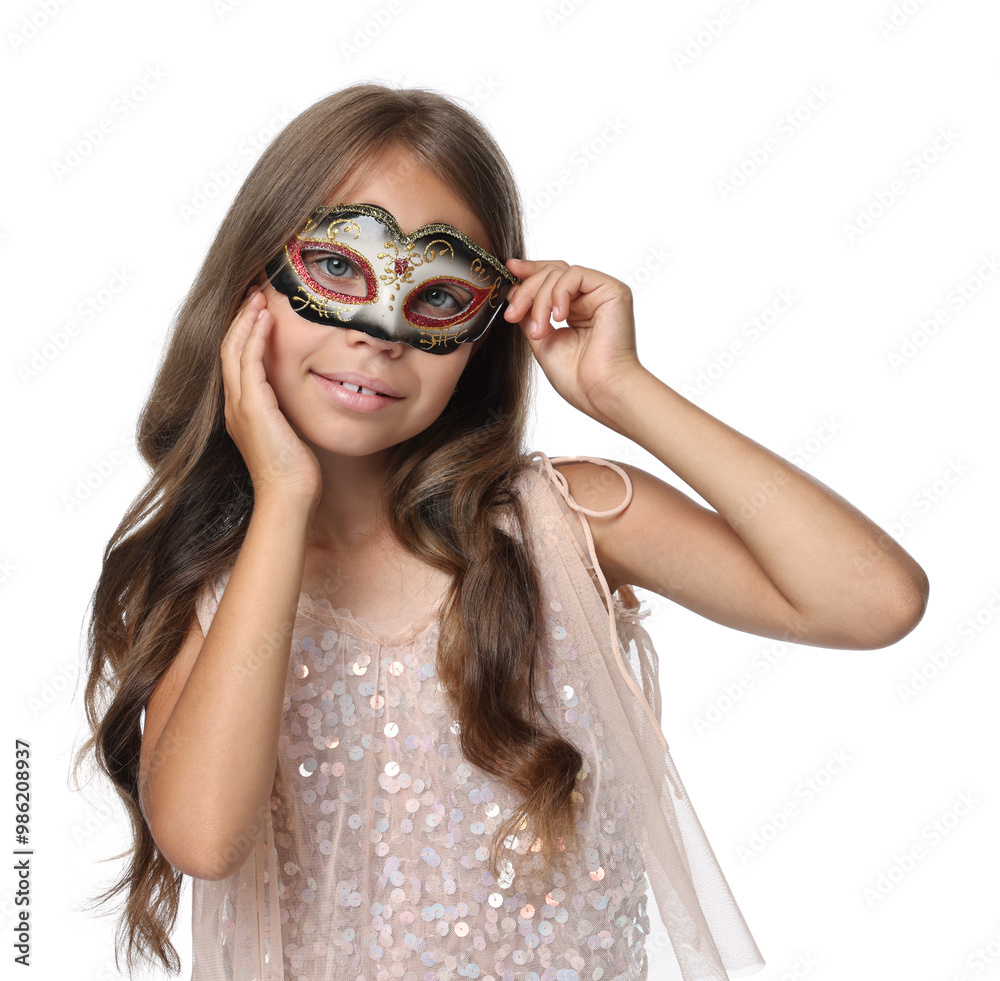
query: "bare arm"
210, 742
210, 739
781, 554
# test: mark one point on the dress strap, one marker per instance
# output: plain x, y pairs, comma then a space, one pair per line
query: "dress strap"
560, 481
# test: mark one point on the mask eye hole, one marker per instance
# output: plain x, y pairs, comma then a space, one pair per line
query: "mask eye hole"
334, 271
443, 302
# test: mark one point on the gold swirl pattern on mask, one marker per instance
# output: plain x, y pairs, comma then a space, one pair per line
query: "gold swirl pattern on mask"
441, 336
333, 229
399, 266
304, 299
435, 228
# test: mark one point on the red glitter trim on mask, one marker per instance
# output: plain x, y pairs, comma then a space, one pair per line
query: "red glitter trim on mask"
296, 247
479, 296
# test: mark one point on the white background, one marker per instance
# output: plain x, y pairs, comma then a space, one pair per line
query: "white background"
622, 149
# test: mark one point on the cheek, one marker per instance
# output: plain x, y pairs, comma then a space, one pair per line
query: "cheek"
462, 358
289, 332
450, 373
271, 357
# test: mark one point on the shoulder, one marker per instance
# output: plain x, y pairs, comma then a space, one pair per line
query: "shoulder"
596, 486
586, 488
594, 483
652, 528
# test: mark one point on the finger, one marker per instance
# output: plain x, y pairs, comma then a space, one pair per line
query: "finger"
520, 297
239, 329
552, 299
252, 373
251, 306
533, 300
565, 290
539, 315
234, 342
523, 268
581, 290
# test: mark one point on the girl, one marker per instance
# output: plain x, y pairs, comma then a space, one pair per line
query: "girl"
360, 666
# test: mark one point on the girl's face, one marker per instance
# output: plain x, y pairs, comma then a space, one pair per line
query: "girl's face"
306, 362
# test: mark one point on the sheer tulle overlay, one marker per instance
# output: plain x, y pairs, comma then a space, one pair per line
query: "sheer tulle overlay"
369, 863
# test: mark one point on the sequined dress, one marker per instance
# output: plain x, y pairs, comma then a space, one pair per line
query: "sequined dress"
369, 863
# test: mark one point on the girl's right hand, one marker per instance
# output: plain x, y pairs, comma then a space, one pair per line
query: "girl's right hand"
280, 462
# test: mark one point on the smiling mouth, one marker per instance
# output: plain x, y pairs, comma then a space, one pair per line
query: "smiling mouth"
363, 390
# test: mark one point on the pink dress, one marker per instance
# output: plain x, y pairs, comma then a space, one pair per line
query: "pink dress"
369, 863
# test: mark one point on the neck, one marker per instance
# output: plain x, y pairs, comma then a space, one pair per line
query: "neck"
349, 517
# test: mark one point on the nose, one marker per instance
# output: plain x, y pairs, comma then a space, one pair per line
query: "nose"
356, 337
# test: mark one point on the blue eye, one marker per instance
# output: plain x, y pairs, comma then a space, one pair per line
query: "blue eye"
442, 301
336, 266
439, 298
334, 271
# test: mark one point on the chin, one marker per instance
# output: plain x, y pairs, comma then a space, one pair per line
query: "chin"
349, 448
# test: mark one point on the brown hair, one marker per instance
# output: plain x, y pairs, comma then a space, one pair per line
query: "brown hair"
449, 490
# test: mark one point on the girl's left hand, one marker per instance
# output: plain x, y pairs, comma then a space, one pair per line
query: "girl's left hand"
592, 358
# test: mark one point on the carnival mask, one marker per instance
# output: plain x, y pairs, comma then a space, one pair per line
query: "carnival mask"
351, 266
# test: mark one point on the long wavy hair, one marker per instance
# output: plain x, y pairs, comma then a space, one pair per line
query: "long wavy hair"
449, 491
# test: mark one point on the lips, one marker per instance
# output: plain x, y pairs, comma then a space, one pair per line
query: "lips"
379, 385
